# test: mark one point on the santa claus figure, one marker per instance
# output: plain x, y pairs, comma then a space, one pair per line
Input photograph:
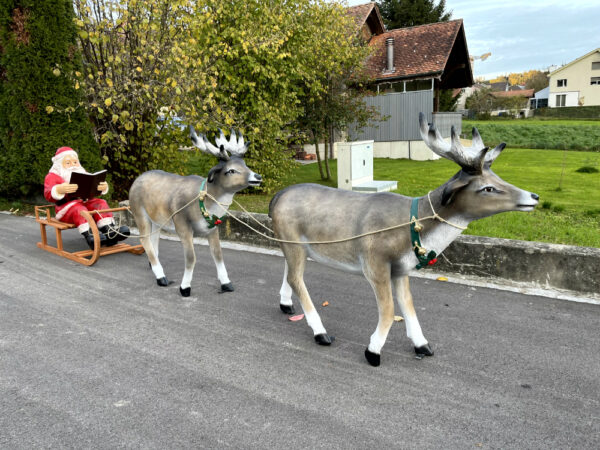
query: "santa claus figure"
56, 187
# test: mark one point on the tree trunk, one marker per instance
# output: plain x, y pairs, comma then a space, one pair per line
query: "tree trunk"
331, 138
327, 170
316, 142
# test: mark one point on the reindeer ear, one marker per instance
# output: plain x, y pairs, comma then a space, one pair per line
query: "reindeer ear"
452, 187
212, 172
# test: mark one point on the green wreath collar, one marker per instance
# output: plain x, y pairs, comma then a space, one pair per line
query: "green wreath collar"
211, 219
425, 258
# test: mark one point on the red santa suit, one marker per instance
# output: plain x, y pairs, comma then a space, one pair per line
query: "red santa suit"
69, 210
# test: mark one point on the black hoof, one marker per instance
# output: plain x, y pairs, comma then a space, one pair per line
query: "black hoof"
185, 292
287, 309
373, 358
162, 281
324, 339
424, 350
227, 287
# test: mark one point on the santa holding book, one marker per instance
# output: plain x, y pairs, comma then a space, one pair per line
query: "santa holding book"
57, 189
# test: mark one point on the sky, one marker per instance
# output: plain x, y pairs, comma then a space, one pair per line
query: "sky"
525, 35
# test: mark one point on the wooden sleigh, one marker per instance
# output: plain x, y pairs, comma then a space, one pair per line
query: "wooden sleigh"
85, 257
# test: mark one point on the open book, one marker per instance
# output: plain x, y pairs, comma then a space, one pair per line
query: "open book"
87, 184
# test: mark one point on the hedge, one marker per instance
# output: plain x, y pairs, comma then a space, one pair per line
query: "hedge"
570, 112
39, 105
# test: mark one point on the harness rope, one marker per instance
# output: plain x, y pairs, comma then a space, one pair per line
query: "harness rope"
413, 223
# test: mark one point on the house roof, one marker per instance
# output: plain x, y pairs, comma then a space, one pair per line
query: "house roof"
423, 51
573, 62
521, 93
367, 13
499, 86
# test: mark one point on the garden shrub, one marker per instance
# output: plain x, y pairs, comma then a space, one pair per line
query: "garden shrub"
37, 48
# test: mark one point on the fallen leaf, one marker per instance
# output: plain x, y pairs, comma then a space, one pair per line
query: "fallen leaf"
442, 279
325, 303
296, 318
398, 318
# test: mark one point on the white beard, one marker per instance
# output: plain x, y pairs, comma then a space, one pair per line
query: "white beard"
65, 174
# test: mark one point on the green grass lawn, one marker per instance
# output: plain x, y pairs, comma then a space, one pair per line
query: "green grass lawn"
533, 133
569, 210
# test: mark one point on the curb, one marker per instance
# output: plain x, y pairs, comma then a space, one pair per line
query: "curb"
531, 264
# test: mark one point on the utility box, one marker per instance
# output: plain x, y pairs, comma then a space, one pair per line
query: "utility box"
355, 168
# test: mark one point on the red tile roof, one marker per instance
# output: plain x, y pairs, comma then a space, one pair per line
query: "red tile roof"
361, 12
419, 50
520, 93
367, 14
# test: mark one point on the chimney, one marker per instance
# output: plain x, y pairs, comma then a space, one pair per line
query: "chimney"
389, 45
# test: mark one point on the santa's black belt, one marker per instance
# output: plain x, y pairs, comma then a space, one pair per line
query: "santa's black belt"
62, 201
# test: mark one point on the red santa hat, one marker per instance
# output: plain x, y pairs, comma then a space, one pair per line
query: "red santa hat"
62, 152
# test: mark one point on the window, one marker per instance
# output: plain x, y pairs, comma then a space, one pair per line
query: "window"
596, 65
595, 80
419, 85
561, 100
561, 83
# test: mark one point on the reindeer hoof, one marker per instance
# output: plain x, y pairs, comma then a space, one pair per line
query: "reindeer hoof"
162, 281
287, 309
227, 287
424, 350
324, 339
185, 292
373, 358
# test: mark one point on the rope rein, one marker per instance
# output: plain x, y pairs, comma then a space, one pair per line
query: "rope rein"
203, 194
335, 241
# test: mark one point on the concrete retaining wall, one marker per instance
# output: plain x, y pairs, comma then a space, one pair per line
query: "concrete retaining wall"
548, 266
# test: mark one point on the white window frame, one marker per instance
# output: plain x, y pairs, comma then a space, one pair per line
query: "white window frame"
558, 102
595, 65
561, 83
595, 81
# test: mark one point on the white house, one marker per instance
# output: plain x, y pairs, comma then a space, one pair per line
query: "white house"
576, 83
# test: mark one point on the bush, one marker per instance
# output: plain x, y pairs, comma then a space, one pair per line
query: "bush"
587, 169
37, 39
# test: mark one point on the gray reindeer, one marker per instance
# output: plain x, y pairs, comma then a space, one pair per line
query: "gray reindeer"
314, 214
157, 197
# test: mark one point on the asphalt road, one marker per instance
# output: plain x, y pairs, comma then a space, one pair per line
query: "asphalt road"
101, 357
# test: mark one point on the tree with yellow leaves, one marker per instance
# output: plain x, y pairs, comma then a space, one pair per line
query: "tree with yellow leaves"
153, 65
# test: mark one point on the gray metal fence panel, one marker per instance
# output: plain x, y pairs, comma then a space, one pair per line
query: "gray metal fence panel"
402, 110
445, 120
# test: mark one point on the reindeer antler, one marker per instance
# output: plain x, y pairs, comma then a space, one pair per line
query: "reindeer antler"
473, 158
202, 142
235, 145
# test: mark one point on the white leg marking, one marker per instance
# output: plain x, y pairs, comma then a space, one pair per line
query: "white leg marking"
285, 292
405, 301
158, 271
377, 340
314, 321
186, 280
222, 273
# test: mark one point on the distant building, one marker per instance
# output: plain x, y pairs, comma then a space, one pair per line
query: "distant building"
524, 94
540, 99
576, 83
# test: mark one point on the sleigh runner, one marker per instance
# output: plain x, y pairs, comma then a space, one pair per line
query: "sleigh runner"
43, 216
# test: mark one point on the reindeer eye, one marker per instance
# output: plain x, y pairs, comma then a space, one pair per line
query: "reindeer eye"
489, 189
231, 171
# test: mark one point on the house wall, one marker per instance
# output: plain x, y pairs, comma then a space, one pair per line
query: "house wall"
579, 90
